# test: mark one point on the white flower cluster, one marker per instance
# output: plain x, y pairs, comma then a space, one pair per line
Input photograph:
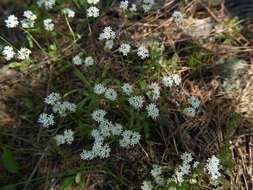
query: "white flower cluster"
133, 8
156, 173
48, 24
124, 5
62, 108
88, 61
185, 168
142, 52
191, 111
153, 111
29, 20
124, 49
22, 54
129, 138
11, 21
147, 5
94, 2
178, 17
127, 89
66, 137
194, 101
77, 60
109, 93
174, 79
59, 107
147, 185
212, 167
93, 12
8, 52
46, 120
109, 44
99, 89
109, 35
48, 4
105, 130
153, 91
69, 12
136, 101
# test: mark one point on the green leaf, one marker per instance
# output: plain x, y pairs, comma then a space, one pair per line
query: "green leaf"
8, 161
81, 76
8, 187
67, 182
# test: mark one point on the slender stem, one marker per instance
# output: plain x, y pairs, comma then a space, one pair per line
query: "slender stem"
6, 41
70, 28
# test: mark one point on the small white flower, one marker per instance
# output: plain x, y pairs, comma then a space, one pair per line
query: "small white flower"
124, 49
142, 52
87, 155
136, 101
105, 128
99, 115
153, 111
185, 168
190, 112
63, 108
111, 94
133, 8
154, 91
212, 167
99, 89
116, 129
136, 137
129, 138
60, 139
89, 61
194, 101
77, 60
94, 2
48, 24
97, 135
127, 89
48, 4
46, 120
109, 44
107, 34
30, 15
24, 53
69, 12
147, 185
147, 5
124, 5
156, 172
195, 164
186, 157
68, 136
178, 16
174, 79
93, 12
8, 52
26, 23
52, 98
177, 79
168, 81
11, 21
101, 151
